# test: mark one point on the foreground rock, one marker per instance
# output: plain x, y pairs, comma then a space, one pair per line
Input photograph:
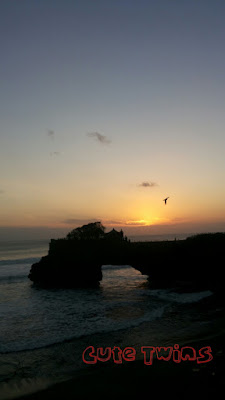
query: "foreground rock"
65, 272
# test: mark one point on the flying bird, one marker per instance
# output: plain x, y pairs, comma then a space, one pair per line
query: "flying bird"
165, 200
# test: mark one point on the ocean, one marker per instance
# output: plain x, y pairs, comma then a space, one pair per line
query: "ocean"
45, 331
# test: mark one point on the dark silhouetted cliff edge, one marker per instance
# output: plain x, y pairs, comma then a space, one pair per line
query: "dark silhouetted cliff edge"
77, 259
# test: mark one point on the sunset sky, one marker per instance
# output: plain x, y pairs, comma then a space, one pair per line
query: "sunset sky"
109, 106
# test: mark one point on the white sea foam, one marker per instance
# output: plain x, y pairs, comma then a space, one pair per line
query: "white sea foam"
183, 298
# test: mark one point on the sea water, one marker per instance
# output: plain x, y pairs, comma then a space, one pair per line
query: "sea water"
44, 331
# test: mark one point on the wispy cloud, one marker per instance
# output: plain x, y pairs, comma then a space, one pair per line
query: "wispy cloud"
113, 222
51, 134
141, 222
76, 221
99, 137
55, 153
148, 184
123, 223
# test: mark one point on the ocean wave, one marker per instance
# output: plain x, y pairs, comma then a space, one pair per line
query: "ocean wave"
103, 327
19, 261
13, 278
12, 271
115, 267
182, 298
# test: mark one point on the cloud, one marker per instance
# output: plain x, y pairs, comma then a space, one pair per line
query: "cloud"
55, 153
109, 224
76, 221
2, 191
142, 222
148, 184
51, 133
123, 223
113, 222
99, 137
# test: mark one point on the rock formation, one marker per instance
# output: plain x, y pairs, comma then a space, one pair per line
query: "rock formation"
76, 260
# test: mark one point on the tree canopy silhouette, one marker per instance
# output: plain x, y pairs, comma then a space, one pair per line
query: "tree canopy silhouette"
92, 231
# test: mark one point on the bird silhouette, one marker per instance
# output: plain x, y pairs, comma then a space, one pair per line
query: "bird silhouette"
165, 200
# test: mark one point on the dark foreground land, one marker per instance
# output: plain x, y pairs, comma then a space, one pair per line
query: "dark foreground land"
161, 380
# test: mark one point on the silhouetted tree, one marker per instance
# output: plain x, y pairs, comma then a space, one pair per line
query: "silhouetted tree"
92, 231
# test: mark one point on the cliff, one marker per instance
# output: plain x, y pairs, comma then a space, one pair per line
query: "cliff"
76, 261
198, 261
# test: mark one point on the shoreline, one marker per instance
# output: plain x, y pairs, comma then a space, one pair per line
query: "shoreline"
161, 379
110, 380
134, 378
